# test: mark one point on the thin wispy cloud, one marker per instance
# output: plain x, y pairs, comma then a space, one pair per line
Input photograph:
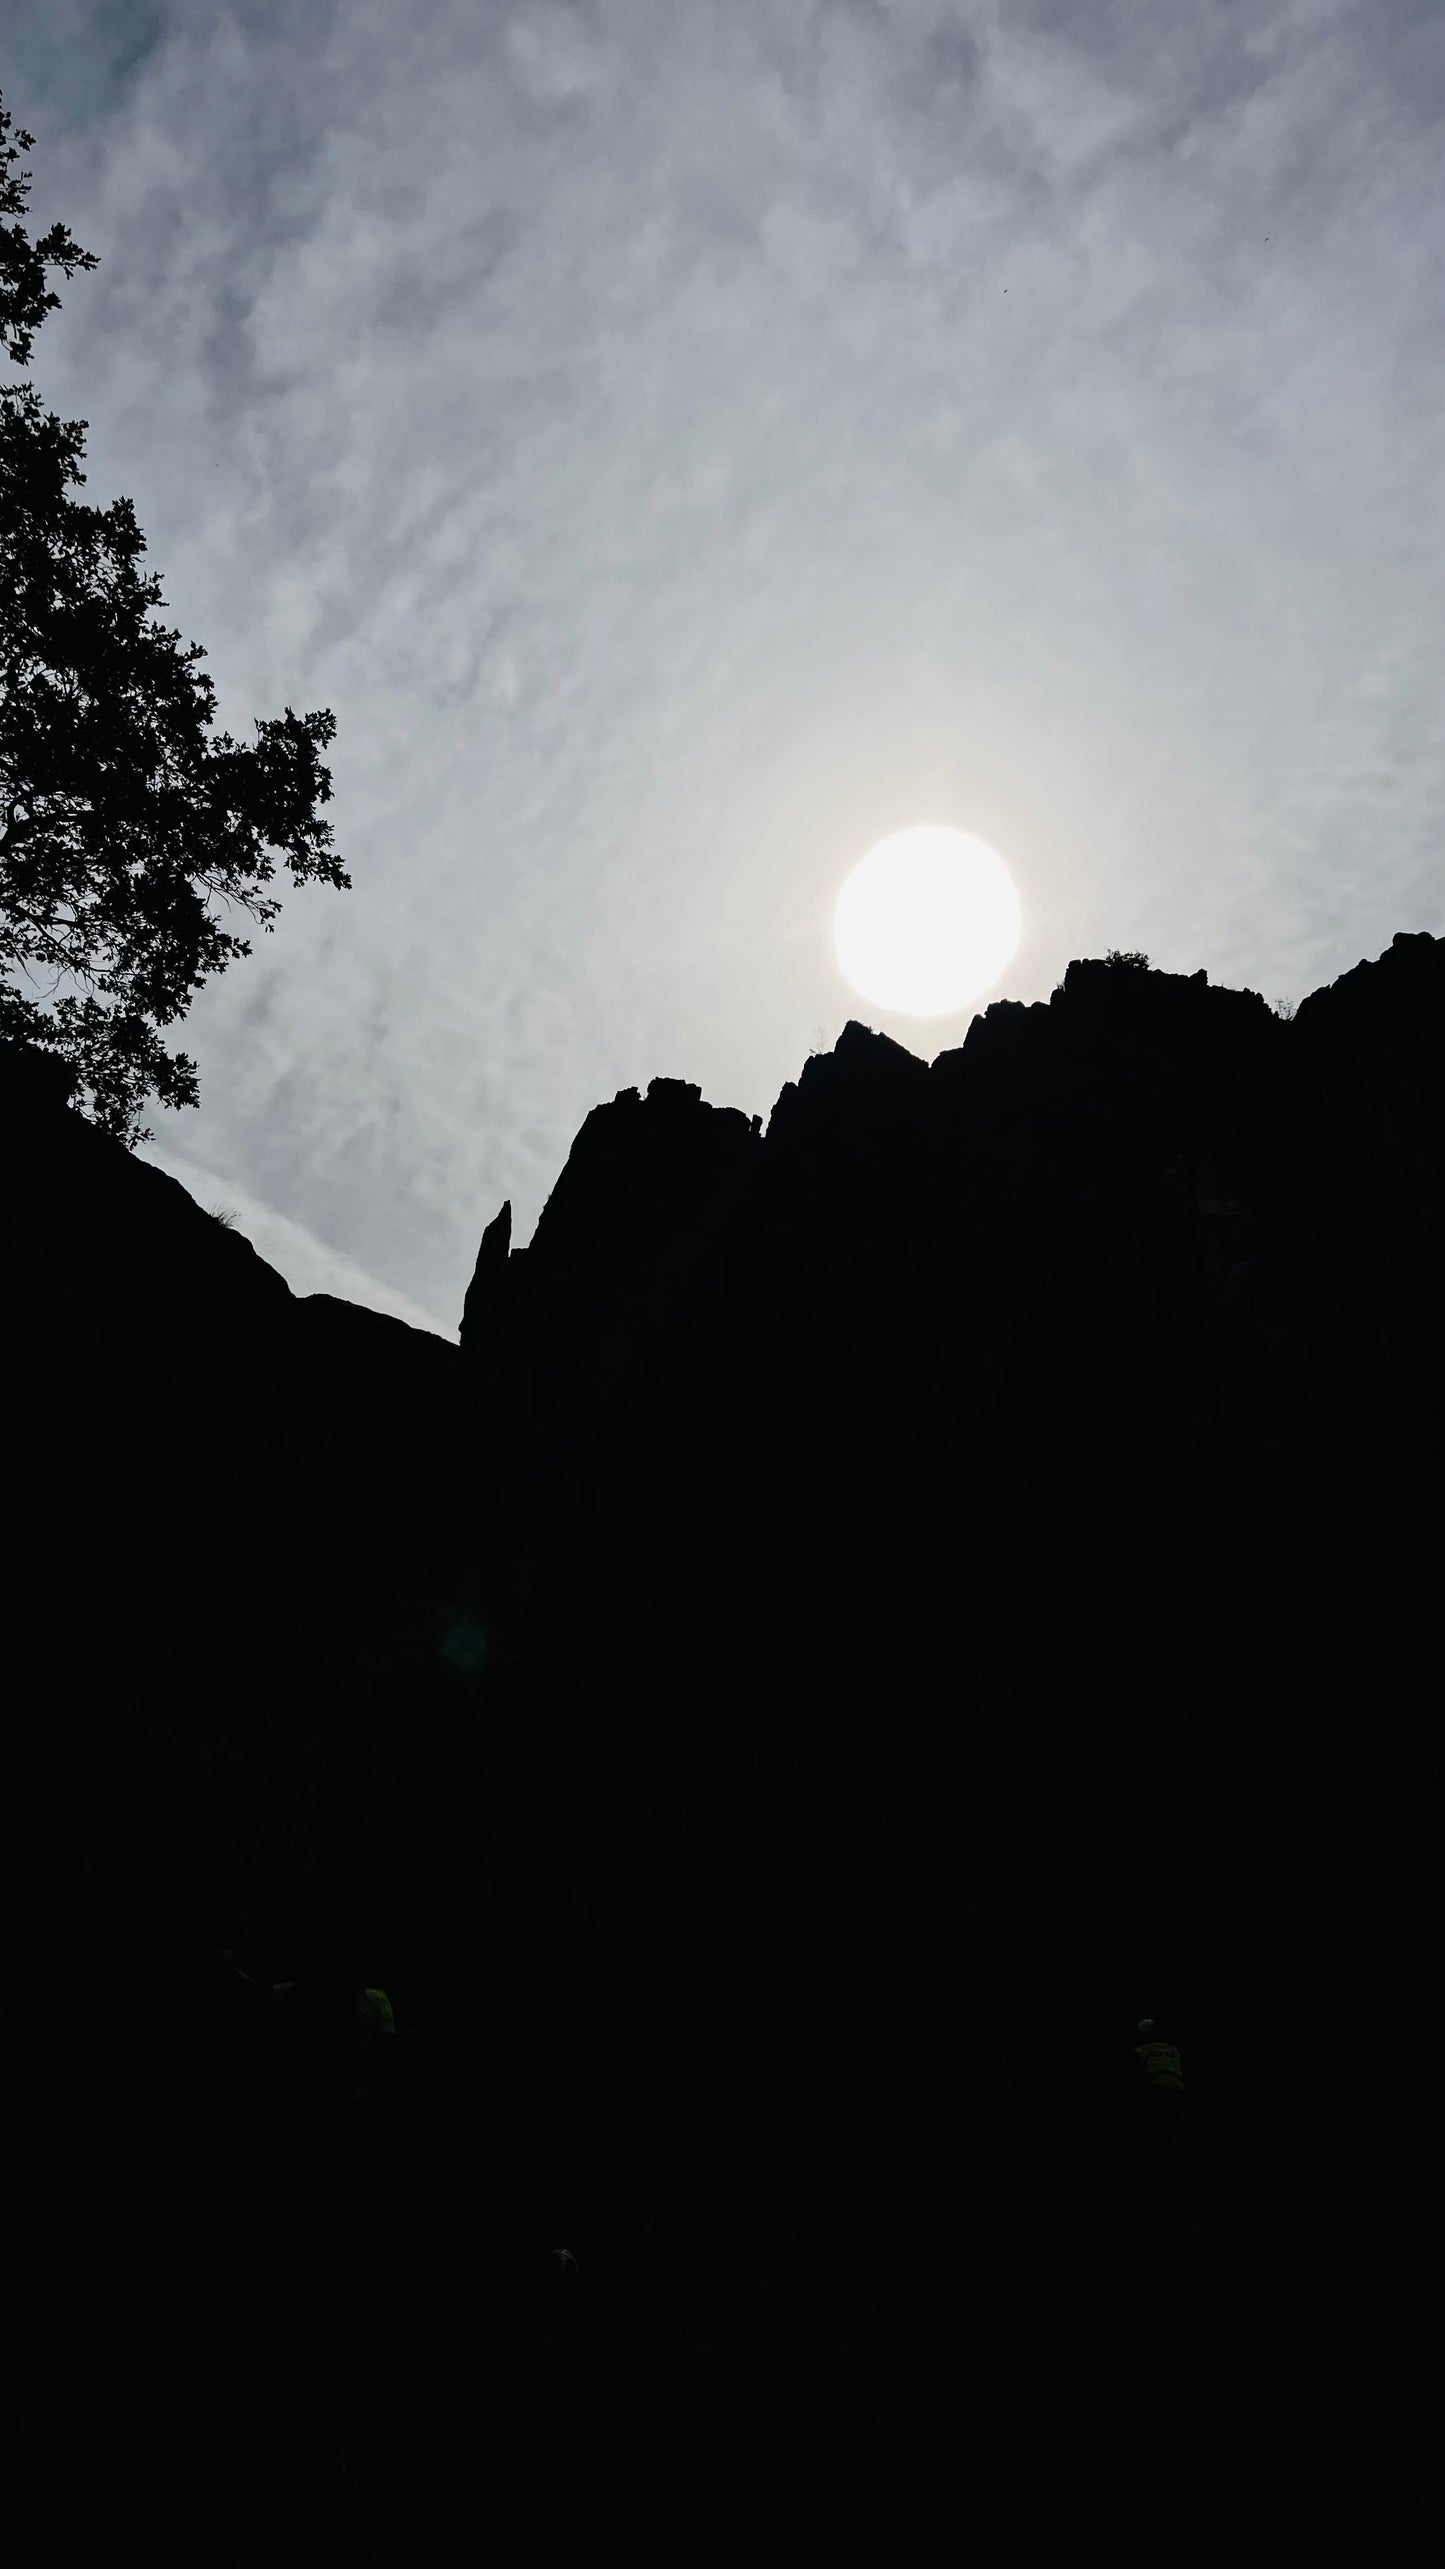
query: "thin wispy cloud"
684, 442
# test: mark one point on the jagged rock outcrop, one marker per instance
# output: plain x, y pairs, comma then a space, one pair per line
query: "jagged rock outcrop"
860, 1094
636, 1177
485, 1304
1079, 1315
1388, 1007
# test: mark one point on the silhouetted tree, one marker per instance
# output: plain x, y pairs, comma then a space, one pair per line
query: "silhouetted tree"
124, 828
1126, 962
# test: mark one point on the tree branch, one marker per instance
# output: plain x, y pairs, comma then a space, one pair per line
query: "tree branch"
57, 952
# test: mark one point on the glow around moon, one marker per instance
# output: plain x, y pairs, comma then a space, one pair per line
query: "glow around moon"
927, 922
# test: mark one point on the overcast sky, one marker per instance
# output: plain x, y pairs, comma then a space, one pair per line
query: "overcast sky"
684, 440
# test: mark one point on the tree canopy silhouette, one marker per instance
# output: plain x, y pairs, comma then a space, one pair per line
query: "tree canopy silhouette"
128, 832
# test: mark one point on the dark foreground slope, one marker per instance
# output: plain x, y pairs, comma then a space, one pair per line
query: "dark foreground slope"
868, 1611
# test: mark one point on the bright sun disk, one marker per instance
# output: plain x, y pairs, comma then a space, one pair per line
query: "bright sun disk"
927, 922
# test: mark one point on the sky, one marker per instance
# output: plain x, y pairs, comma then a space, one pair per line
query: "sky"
686, 440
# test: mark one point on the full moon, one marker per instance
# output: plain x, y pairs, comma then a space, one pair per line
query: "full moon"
926, 922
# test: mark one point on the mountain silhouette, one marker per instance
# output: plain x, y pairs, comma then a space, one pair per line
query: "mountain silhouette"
873, 1607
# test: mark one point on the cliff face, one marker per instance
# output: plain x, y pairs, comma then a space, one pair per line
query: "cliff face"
1034, 1395
963, 1555
1145, 1257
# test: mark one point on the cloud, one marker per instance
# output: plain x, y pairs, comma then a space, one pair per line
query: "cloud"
683, 444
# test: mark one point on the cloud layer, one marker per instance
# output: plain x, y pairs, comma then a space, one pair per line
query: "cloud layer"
686, 439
